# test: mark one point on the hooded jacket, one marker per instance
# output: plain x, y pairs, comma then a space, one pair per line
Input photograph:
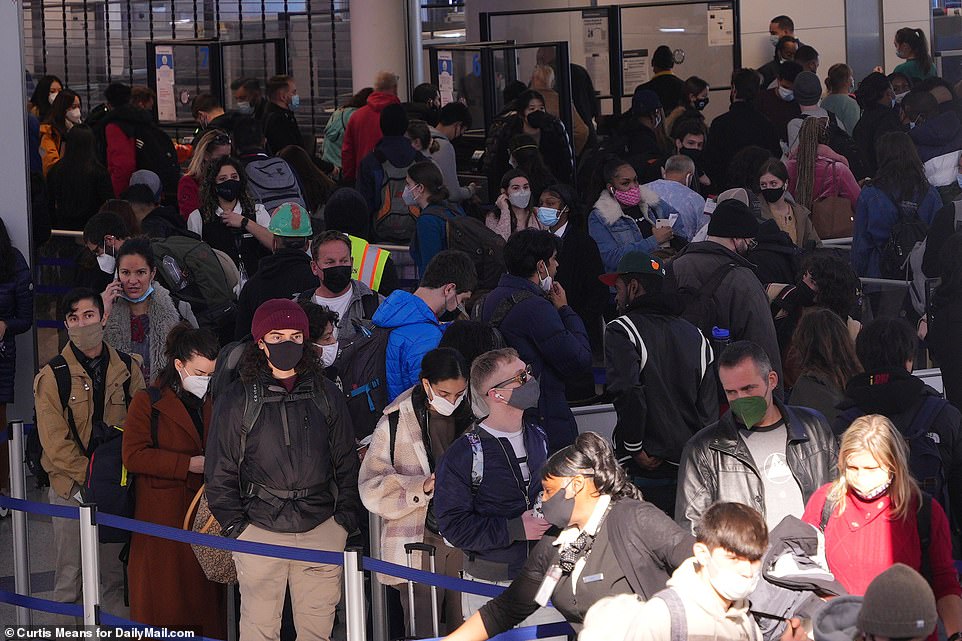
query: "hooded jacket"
363, 132
939, 141
485, 522
717, 466
553, 342
415, 332
617, 233
398, 151
660, 377
775, 256
280, 275
741, 305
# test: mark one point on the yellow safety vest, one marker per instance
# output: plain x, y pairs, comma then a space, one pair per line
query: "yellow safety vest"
369, 262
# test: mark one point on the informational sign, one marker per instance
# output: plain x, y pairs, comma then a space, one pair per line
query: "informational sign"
634, 68
166, 100
721, 26
595, 32
446, 77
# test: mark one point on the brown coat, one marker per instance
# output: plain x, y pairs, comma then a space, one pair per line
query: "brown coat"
167, 586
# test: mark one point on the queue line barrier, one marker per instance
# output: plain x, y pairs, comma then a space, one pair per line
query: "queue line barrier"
90, 519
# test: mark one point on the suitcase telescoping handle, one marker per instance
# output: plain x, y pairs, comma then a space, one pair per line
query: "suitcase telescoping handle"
431, 551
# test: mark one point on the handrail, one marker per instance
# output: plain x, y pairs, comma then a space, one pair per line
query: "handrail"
66, 233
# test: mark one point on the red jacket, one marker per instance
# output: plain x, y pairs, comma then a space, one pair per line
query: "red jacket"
188, 195
363, 132
864, 541
121, 157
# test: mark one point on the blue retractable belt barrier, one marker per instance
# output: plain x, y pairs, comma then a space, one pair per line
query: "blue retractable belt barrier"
427, 578
109, 619
543, 631
57, 511
43, 605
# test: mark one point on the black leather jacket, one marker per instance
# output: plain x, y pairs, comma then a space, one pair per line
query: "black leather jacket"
717, 466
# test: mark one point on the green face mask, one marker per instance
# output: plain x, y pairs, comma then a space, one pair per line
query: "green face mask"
750, 410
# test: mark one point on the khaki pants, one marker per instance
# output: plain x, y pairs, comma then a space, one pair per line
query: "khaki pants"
447, 561
68, 580
315, 588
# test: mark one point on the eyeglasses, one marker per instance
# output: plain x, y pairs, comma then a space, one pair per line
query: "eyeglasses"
520, 378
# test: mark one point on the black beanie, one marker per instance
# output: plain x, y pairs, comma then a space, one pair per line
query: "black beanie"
733, 219
394, 121
347, 212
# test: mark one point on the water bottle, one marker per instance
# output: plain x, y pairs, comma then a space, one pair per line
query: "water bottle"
720, 339
175, 276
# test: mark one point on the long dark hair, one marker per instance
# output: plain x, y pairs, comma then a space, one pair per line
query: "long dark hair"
254, 366
528, 157
900, 173
57, 116
39, 96
915, 39
8, 260
208, 189
79, 165
317, 186
591, 455
825, 347
183, 343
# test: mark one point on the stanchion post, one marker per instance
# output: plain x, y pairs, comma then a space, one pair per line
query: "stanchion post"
18, 490
90, 563
380, 630
354, 595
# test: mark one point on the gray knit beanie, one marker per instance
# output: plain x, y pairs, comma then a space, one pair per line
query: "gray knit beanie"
898, 603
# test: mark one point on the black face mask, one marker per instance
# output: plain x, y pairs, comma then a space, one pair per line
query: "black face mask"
285, 355
772, 195
336, 279
694, 154
701, 103
558, 510
228, 190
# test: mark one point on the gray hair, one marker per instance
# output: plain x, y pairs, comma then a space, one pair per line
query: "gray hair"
680, 164
482, 369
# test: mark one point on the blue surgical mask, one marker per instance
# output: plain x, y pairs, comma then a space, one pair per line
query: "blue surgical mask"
958, 179
548, 216
150, 290
245, 108
295, 102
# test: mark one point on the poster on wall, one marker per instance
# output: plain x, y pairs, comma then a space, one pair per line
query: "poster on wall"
721, 26
634, 69
446, 77
166, 100
595, 32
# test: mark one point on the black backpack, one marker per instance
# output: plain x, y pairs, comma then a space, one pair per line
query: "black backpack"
157, 154
908, 230
273, 183
700, 307
363, 372
394, 221
474, 238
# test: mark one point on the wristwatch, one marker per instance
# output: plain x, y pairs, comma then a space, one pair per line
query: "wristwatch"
244, 222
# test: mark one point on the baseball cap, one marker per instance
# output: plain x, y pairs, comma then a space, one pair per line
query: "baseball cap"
634, 263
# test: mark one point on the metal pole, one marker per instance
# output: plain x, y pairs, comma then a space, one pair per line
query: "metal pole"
380, 630
354, 595
18, 490
231, 612
415, 46
90, 563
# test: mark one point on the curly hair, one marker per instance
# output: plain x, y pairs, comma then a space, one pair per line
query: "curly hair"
208, 190
838, 285
254, 366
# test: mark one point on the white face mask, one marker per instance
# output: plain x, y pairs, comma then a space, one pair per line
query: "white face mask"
73, 115
731, 585
443, 406
196, 385
520, 198
52, 96
328, 354
106, 263
774, 38
546, 281
786, 94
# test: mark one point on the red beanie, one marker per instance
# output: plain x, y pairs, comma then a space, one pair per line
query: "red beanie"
278, 313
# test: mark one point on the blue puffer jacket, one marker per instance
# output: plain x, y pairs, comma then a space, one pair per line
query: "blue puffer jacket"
416, 332
617, 234
875, 215
553, 342
486, 523
16, 310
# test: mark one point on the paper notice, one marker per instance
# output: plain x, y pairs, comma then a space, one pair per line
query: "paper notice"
721, 26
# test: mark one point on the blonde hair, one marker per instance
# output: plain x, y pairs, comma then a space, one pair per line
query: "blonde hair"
875, 435
812, 134
196, 168
482, 369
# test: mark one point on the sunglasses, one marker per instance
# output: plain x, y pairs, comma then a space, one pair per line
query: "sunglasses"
520, 378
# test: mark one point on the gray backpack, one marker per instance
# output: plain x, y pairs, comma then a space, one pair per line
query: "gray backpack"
921, 287
273, 183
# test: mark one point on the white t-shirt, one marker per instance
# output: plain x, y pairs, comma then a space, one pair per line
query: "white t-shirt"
196, 224
517, 444
339, 304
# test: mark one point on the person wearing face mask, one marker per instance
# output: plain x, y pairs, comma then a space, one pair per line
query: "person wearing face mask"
140, 312
530, 309
778, 104
397, 478
688, 134
515, 207
677, 187
280, 124
880, 115
624, 216
209, 114
792, 218
103, 382
453, 122
711, 588
284, 273
323, 336
425, 189
717, 268
289, 478
938, 139
785, 48
606, 540
526, 157
229, 220
692, 106
44, 95
248, 98
639, 138
64, 114
876, 490
415, 320
912, 47
165, 436
660, 377
761, 452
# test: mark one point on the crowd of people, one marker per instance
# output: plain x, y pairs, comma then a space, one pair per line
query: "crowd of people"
239, 332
